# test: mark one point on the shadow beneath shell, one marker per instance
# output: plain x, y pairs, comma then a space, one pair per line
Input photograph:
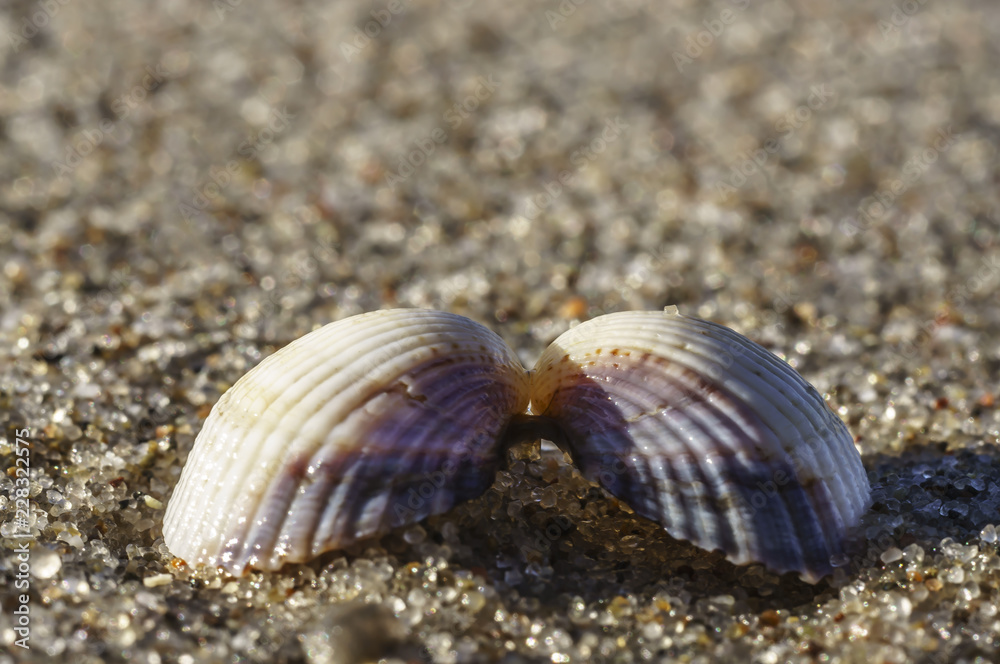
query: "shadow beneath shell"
922, 499
544, 535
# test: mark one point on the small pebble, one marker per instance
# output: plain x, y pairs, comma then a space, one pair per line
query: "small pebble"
473, 600
969, 591
157, 580
414, 535
45, 563
913, 553
891, 555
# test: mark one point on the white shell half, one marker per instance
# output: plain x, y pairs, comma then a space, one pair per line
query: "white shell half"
365, 424
707, 433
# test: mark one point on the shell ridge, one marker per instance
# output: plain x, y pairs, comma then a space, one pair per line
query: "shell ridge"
317, 413
737, 465
791, 536
753, 389
774, 442
821, 435
696, 346
727, 540
423, 365
820, 455
288, 386
795, 514
430, 410
666, 416
697, 415
654, 491
422, 422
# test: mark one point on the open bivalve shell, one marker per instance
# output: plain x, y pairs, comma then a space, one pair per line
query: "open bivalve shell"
693, 425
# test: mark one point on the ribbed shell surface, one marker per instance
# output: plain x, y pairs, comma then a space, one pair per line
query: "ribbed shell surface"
362, 425
382, 419
707, 433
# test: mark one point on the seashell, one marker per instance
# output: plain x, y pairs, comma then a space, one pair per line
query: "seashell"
385, 418
321, 444
707, 433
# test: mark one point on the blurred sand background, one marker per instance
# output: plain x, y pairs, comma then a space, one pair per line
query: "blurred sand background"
187, 186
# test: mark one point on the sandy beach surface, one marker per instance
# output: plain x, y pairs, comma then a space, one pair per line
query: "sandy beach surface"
186, 187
